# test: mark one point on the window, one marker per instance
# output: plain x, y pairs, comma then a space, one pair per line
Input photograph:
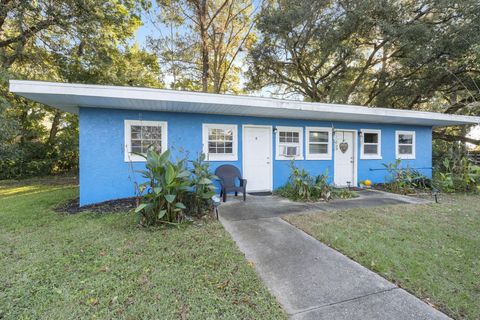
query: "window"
289, 143
371, 144
405, 144
140, 136
220, 142
319, 143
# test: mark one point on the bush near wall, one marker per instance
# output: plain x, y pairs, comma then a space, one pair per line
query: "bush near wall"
457, 176
174, 191
301, 186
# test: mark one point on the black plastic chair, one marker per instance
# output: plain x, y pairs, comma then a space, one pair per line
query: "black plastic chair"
228, 176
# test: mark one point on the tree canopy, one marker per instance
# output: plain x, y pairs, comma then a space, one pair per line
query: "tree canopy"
205, 41
399, 54
68, 41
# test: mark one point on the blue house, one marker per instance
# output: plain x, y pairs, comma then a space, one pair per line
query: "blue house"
258, 135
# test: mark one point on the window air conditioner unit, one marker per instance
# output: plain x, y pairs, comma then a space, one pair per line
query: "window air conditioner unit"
289, 151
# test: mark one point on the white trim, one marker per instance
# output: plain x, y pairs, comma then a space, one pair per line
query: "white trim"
355, 154
220, 157
327, 156
397, 145
278, 156
128, 156
369, 156
69, 96
271, 152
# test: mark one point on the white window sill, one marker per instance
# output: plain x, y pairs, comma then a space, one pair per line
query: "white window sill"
311, 157
406, 157
281, 158
134, 158
220, 158
371, 158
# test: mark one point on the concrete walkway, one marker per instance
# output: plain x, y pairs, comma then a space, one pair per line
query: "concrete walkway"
257, 207
309, 279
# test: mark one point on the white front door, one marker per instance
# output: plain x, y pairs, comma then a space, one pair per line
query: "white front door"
344, 159
257, 157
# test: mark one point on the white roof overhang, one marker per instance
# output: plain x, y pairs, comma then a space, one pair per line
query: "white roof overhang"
69, 97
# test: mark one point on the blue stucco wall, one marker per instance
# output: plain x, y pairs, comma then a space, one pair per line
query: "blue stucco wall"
104, 175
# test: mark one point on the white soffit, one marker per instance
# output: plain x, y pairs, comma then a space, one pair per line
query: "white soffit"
69, 97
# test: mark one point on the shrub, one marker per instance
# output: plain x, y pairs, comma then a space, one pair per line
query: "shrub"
405, 180
172, 191
166, 185
199, 200
457, 176
343, 193
303, 187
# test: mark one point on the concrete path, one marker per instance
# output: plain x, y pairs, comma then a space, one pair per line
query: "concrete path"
257, 207
311, 280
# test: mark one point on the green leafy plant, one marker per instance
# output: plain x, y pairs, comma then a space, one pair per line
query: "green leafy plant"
199, 201
166, 185
301, 186
322, 188
405, 180
343, 193
457, 176
301, 182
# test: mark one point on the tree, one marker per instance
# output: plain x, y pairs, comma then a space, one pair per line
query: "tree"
69, 41
58, 25
400, 54
209, 36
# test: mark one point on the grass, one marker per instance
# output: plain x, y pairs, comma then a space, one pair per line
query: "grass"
55, 266
430, 250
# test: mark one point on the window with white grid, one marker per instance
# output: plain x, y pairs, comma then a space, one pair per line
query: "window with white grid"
371, 141
319, 143
405, 144
289, 143
141, 136
220, 142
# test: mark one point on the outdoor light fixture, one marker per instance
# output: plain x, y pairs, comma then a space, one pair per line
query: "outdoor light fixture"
216, 203
435, 194
275, 130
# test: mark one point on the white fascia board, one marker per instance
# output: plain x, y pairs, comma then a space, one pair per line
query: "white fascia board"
62, 96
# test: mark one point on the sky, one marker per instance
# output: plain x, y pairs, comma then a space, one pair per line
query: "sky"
148, 28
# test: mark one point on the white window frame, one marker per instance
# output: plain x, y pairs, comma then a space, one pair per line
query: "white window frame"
366, 156
316, 156
216, 156
278, 155
127, 140
397, 145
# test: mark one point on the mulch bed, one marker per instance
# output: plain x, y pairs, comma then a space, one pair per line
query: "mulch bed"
119, 205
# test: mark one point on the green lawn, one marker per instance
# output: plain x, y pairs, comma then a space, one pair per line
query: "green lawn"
432, 250
55, 266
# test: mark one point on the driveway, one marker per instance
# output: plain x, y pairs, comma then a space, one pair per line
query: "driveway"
308, 278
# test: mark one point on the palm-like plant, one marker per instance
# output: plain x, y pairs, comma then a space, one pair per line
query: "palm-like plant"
202, 186
166, 185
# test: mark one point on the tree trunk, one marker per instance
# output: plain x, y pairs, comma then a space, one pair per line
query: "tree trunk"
54, 128
202, 19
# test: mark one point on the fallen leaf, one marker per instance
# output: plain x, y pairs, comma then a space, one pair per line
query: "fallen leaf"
93, 301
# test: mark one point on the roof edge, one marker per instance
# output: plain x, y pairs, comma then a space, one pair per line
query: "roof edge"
125, 92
